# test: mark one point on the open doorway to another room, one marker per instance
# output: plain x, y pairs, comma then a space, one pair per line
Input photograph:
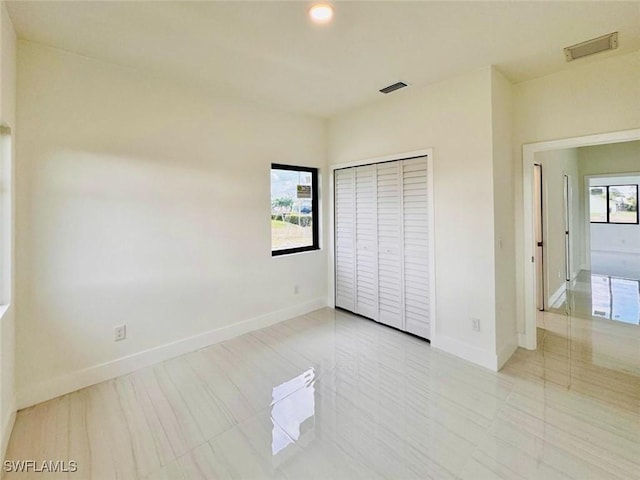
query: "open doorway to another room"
613, 278
588, 235
558, 242
586, 276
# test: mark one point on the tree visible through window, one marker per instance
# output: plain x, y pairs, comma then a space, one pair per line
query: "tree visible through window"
294, 209
613, 204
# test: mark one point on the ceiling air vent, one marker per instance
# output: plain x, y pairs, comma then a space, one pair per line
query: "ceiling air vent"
596, 45
394, 87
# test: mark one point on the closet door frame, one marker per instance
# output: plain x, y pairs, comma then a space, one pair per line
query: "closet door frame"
427, 152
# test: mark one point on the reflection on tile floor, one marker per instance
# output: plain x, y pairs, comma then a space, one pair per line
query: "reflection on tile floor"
615, 298
332, 396
602, 296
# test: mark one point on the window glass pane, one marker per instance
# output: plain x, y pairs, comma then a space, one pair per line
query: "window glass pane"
623, 204
598, 204
291, 209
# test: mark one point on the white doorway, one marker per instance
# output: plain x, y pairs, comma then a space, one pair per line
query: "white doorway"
556, 215
528, 338
538, 218
568, 229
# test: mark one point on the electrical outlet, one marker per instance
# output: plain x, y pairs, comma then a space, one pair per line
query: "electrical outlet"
475, 324
119, 333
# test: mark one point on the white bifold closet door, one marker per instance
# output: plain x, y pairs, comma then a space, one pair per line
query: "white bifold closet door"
345, 238
390, 244
366, 272
382, 241
415, 214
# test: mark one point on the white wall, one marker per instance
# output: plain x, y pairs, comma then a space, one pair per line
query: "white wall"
611, 158
556, 164
453, 117
145, 203
7, 312
616, 158
103, 149
504, 211
586, 99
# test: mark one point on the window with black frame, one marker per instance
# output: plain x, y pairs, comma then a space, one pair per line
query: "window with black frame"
294, 209
613, 204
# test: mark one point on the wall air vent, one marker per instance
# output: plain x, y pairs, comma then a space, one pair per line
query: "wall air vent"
394, 87
595, 45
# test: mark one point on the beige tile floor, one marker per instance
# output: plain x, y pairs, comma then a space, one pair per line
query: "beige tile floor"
331, 395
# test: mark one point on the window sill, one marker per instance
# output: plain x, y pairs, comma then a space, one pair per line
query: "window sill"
288, 253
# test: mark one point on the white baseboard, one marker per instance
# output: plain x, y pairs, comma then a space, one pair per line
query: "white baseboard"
465, 351
617, 251
522, 340
7, 428
73, 381
504, 354
557, 294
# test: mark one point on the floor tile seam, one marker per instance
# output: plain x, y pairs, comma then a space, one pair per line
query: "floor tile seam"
583, 376
525, 452
284, 357
568, 409
561, 430
435, 420
232, 423
177, 458
556, 446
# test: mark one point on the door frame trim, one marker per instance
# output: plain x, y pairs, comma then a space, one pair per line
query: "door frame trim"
568, 228
426, 152
528, 338
540, 300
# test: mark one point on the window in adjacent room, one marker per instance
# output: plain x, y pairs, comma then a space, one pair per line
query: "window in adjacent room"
613, 204
294, 209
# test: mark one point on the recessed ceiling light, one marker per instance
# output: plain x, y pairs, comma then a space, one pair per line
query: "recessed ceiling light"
321, 13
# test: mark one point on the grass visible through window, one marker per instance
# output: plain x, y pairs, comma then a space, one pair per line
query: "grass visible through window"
287, 235
294, 225
613, 204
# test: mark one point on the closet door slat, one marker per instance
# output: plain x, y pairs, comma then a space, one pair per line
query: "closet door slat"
416, 246
366, 242
344, 182
389, 244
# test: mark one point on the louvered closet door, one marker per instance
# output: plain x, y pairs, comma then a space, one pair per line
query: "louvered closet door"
415, 205
344, 182
389, 217
366, 242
